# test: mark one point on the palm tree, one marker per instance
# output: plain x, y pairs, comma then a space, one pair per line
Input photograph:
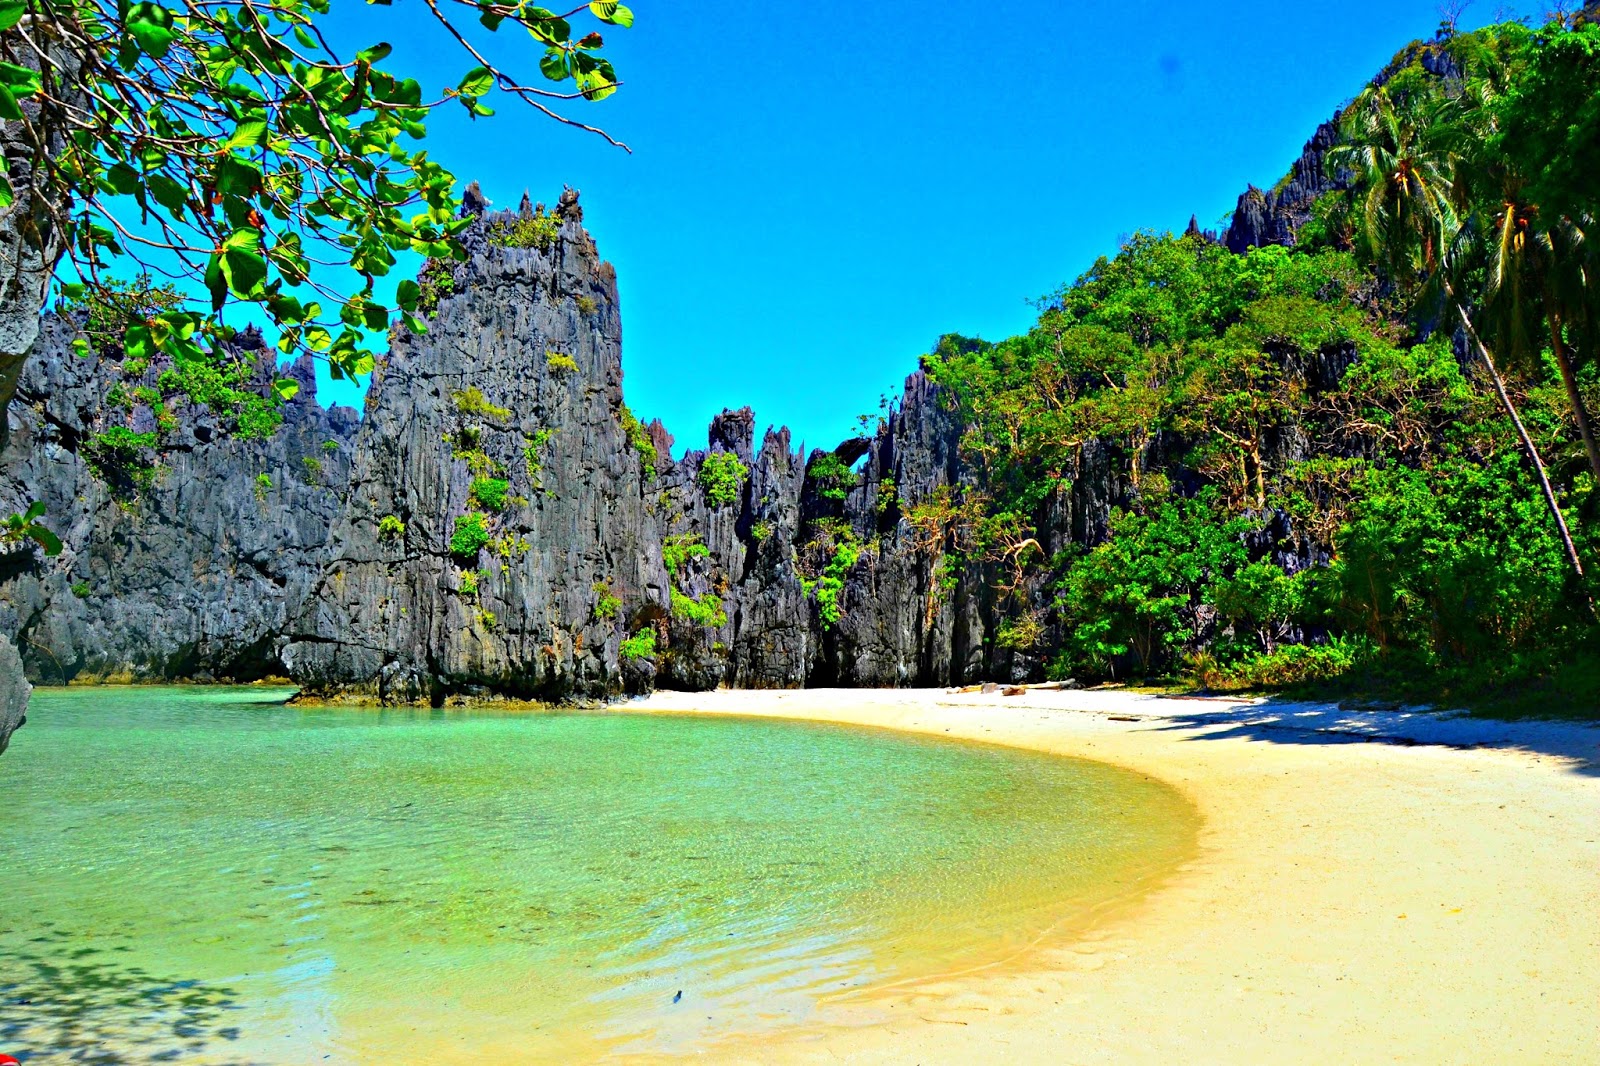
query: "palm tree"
1400, 150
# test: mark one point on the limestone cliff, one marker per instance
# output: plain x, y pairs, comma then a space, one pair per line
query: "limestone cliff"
189, 578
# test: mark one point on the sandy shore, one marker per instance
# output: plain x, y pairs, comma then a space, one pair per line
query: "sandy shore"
1371, 887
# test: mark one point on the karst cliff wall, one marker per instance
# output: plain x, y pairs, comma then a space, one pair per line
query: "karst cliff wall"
334, 552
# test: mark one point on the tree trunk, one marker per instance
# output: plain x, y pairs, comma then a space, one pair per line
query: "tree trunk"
1580, 413
1527, 442
31, 245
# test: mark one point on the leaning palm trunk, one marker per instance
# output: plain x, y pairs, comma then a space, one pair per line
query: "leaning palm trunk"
1522, 432
1580, 412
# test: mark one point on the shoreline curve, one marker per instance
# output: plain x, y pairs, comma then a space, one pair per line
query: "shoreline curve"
1369, 887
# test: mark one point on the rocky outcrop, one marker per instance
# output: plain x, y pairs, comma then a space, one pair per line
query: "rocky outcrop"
14, 691
1274, 216
499, 524
188, 578
496, 502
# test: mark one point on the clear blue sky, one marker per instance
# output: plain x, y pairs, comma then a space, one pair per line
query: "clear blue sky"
817, 191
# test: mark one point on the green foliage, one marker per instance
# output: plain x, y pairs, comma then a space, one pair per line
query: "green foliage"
587, 305
258, 160
436, 281
122, 458
471, 401
330, 446
391, 528
830, 585
539, 231
722, 476
679, 548
468, 583
607, 604
489, 493
561, 363
832, 477
17, 528
642, 645
532, 453
263, 486
311, 470
81, 590
639, 438
470, 536
706, 611
760, 531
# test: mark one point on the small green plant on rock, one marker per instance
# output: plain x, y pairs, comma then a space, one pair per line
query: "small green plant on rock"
263, 485
471, 401
832, 476
706, 611
436, 281
330, 446
722, 476
471, 534
81, 589
830, 585
760, 531
119, 457
391, 528
639, 438
586, 305
532, 454
607, 604
680, 548
536, 231
642, 645
489, 493
311, 470
561, 363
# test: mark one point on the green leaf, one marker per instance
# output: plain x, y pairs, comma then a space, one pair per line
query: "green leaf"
151, 25
34, 512
554, 65
22, 81
248, 134
376, 316
80, 348
241, 264
478, 82
616, 14
11, 12
46, 539
406, 294
377, 53
286, 389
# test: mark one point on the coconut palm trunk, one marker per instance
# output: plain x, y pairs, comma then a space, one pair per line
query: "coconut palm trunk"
1580, 412
1522, 432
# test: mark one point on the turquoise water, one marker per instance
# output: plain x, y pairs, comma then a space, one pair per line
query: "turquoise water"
206, 875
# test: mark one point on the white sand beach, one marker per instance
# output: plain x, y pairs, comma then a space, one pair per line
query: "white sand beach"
1370, 887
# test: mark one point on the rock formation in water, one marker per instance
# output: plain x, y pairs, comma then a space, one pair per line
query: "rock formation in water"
191, 578
14, 690
496, 524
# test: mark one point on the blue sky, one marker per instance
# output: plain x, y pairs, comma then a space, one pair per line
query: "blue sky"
817, 191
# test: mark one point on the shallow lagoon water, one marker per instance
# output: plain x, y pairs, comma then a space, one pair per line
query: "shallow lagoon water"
206, 875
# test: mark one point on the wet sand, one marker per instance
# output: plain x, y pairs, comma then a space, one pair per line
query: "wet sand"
1370, 887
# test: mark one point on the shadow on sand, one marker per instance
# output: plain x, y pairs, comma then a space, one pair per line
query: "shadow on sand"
1286, 722
66, 1003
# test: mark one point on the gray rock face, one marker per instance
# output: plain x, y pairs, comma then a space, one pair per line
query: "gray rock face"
14, 690
194, 577
515, 391
499, 525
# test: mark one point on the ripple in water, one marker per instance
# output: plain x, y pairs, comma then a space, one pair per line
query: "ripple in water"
204, 875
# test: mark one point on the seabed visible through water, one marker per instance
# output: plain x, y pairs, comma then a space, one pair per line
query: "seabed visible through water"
205, 875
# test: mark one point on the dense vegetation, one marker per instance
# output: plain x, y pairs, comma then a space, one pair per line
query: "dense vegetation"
1317, 476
